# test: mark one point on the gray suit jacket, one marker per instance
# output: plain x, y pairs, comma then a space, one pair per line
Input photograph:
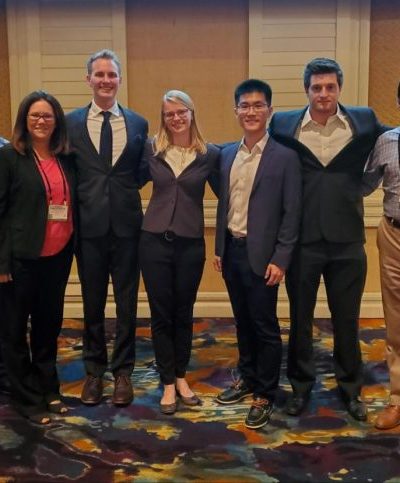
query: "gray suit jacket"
176, 203
274, 206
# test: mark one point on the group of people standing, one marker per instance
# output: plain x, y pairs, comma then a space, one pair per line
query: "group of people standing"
290, 203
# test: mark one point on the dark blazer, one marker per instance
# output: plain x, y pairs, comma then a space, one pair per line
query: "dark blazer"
176, 203
108, 197
332, 195
23, 205
274, 206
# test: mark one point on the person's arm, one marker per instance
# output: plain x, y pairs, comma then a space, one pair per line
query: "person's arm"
5, 182
375, 167
213, 177
144, 165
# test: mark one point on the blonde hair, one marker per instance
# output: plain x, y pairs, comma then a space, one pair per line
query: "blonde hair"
163, 140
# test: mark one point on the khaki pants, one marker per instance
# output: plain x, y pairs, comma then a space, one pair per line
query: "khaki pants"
388, 241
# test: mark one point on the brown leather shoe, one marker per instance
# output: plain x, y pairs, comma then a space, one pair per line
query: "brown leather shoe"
123, 390
388, 418
92, 391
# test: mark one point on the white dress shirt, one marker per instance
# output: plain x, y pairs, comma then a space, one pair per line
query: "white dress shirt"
241, 182
179, 158
117, 121
325, 142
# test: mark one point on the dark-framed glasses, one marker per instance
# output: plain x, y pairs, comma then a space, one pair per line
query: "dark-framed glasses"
245, 107
36, 116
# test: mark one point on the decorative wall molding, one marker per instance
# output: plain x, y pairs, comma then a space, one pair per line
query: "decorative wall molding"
49, 42
216, 304
285, 35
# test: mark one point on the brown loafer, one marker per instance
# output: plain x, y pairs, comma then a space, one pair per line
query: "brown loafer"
388, 418
92, 391
189, 401
168, 408
123, 390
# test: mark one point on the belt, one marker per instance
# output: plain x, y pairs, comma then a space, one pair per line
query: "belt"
169, 236
393, 222
238, 241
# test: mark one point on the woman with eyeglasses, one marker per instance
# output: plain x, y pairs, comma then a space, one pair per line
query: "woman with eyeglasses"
36, 229
172, 247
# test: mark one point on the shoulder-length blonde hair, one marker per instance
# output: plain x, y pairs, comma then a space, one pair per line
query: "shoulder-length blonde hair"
163, 139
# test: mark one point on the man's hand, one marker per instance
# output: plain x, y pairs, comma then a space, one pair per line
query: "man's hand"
5, 277
217, 264
273, 274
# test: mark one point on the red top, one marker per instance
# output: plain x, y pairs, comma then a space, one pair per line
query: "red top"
58, 233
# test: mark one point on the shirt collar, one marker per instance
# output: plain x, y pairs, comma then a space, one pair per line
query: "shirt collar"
95, 110
339, 116
258, 147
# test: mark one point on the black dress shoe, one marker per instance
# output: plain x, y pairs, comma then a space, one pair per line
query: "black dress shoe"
259, 413
357, 409
234, 394
5, 386
296, 404
92, 392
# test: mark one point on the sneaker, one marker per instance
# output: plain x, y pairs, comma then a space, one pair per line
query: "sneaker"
259, 413
234, 394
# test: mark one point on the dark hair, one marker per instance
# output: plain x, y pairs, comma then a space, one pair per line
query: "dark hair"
253, 85
21, 139
322, 65
398, 92
103, 54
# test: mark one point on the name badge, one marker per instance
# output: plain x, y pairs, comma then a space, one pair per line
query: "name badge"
58, 212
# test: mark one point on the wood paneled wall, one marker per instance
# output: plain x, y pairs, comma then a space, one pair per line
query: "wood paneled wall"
5, 107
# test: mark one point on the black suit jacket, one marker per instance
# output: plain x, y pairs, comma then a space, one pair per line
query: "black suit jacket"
108, 197
274, 206
332, 195
23, 205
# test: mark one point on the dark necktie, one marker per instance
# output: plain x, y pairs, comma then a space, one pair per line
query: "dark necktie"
106, 138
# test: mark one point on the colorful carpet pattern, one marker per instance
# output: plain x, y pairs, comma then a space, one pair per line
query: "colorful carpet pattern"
208, 443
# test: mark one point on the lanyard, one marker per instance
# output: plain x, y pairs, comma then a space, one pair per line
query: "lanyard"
47, 182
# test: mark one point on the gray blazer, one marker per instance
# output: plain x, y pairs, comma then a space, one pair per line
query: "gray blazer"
274, 207
176, 203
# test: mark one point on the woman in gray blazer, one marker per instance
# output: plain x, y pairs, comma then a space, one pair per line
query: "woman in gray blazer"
172, 248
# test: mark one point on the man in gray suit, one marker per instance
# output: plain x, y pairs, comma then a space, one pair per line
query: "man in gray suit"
257, 225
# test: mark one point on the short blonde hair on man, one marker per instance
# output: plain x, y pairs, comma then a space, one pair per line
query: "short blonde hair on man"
163, 140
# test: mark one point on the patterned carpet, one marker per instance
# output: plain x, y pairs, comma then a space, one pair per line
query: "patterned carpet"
208, 443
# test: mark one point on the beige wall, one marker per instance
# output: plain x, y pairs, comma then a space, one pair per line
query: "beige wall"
5, 109
205, 48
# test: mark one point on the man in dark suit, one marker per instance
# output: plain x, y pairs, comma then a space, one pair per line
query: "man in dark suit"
4, 383
108, 141
333, 142
257, 225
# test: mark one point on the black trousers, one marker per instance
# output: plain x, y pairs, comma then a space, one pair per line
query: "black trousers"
3, 372
37, 290
258, 332
171, 272
343, 267
97, 259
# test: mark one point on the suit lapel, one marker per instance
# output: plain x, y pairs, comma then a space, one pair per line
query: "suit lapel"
267, 152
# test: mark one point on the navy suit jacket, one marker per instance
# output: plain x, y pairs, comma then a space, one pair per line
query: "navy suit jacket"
108, 197
332, 195
274, 207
